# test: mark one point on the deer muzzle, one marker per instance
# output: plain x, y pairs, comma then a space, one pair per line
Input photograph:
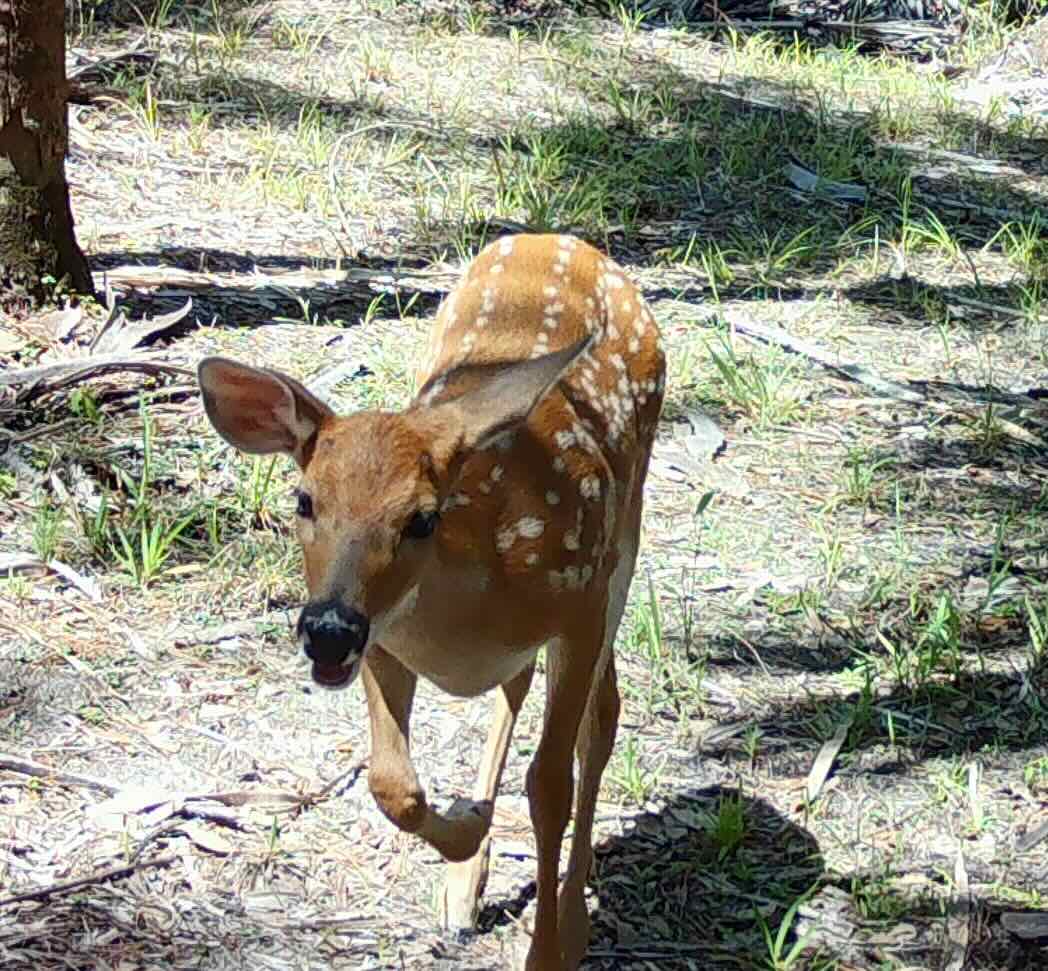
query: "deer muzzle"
333, 637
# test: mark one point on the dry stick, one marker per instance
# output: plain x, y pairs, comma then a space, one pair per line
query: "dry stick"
856, 372
111, 874
27, 767
54, 377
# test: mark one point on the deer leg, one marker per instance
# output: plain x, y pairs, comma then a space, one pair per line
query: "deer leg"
596, 740
390, 691
465, 881
571, 663
595, 743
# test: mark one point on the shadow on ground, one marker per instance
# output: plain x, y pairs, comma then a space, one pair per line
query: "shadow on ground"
679, 888
262, 298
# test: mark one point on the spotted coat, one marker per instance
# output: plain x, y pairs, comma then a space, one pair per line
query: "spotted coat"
542, 505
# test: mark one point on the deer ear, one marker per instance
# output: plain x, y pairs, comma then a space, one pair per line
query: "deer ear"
499, 397
260, 411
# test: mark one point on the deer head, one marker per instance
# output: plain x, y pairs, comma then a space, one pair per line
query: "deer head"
373, 483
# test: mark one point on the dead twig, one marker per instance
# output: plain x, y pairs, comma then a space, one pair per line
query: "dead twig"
28, 767
113, 873
48, 378
852, 371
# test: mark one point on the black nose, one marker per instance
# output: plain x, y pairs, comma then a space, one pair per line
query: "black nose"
330, 632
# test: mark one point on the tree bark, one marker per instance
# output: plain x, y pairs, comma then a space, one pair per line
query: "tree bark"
37, 240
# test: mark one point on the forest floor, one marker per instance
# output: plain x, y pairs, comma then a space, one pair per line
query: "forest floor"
834, 745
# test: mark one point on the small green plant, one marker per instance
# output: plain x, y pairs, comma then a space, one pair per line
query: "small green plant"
97, 528
875, 900
261, 490
8, 484
1025, 245
160, 17
764, 390
199, 128
47, 528
831, 553
861, 475
304, 39
629, 773
727, 825
475, 20
84, 404
1000, 564
778, 958
715, 265
146, 111
233, 29
1035, 773
144, 555
751, 742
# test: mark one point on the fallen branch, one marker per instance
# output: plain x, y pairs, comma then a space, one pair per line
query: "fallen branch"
118, 334
854, 372
27, 767
113, 873
47, 378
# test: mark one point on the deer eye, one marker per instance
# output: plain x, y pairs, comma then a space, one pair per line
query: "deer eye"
305, 504
421, 524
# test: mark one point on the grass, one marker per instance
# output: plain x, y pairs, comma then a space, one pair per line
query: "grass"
863, 562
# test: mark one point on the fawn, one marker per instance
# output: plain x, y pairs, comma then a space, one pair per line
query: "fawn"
500, 511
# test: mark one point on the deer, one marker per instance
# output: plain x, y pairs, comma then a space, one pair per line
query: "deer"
497, 514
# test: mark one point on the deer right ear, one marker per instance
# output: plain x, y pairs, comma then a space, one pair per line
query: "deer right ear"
260, 411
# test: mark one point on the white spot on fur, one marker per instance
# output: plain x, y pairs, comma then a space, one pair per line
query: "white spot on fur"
455, 500
505, 538
567, 579
552, 498
558, 464
564, 440
530, 527
497, 268
496, 473
550, 291
506, 245
531, 559
589, 487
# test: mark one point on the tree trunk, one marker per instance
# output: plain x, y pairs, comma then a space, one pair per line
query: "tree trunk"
36, 224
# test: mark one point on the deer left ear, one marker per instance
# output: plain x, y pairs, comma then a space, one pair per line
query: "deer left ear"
500, 396
260, 411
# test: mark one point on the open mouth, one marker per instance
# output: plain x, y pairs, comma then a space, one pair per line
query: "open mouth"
335, 675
